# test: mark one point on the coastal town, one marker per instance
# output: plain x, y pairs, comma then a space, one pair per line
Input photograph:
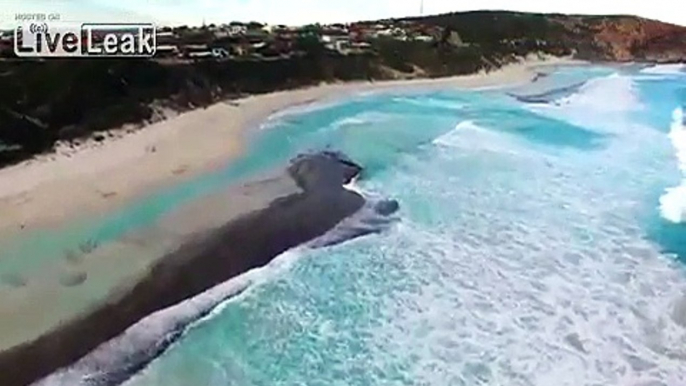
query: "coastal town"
478, 198
258, 41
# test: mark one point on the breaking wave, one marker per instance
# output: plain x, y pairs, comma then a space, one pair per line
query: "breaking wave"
549, 96
512, 265
673, 202
468, 135
376, 216
604, 105
432, 102
665, 69
116, 361
597, 93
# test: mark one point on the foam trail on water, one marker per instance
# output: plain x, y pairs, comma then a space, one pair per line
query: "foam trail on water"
361, 119
308, 106
452, 138
353, 186
667, 69
673, 202
119, 359
603, 104
468, 135
432, 102
376, 216
596, 93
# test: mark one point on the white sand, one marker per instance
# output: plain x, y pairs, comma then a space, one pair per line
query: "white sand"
97, 177
57, 188
44, 301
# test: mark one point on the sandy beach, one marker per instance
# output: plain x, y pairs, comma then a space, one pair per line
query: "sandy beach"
99, 177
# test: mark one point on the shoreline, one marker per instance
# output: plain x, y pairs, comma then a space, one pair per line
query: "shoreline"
176, 149
133, 171
197, 264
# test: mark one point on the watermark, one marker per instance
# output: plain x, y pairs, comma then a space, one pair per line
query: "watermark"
36, 17
46, 38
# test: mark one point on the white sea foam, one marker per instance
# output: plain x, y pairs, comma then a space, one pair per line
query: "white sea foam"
666, 69
604, 104
140, 343
307, 107
536, 276
364, 222
673, 202
354, 187
515, 267
614, 93
468, 133
452, 138
426, 101
362, 119
653, 78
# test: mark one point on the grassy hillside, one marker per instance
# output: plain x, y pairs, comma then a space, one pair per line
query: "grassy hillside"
617, 37
43, 102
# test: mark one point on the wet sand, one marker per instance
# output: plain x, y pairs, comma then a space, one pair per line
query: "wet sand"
201, 262
97, 177
56, 319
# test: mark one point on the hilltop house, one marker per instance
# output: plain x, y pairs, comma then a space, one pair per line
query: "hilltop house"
338, 43
362, 31
196, 51
202, 51
6, 41
336, 37
222, 33
336, 29
167, 50
165, 37
360, 46
394, 32
423, 38
237, 28
275, 48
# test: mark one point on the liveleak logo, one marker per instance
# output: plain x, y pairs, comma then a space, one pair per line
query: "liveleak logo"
44, 40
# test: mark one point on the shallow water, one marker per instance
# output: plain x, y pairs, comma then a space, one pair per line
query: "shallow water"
532, 250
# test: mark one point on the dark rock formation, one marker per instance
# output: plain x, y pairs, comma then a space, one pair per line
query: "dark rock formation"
324, 170
245, 243
386, 207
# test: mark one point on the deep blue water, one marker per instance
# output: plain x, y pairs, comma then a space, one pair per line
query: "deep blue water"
533, 248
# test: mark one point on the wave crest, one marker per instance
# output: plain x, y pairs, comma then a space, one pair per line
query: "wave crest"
614, 93
665, 69
673, 202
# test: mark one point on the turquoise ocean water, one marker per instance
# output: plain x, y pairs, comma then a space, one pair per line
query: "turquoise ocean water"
539, 244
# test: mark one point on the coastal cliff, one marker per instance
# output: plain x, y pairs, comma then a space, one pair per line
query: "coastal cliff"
43, 102
595, 38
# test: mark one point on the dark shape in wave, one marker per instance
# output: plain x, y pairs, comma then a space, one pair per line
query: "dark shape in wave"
549, 96
374, 217
245, 243
539, 76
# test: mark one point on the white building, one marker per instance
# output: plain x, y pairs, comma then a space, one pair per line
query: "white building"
6, 36
336, 42
237, 30
423, 38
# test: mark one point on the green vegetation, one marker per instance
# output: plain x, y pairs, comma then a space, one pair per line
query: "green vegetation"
42, 102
